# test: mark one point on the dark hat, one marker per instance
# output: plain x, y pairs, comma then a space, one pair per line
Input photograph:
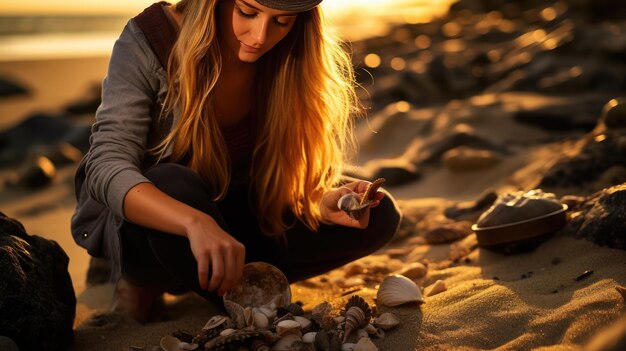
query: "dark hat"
290, 5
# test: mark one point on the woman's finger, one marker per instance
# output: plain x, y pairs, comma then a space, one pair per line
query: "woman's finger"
217, 271
230, 271
203, 271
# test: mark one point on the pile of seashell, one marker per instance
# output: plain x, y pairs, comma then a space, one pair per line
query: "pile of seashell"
261, 317
276, 326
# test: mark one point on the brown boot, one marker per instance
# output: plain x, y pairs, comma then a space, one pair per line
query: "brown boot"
140, 303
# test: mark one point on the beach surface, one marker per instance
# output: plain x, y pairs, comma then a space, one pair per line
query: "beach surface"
558, 296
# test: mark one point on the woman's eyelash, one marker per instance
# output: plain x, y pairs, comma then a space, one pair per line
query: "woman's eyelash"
252, 15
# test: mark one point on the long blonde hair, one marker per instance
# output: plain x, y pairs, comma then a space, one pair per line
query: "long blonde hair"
305, 99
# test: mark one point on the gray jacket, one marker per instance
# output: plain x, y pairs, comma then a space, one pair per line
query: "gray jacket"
127, 124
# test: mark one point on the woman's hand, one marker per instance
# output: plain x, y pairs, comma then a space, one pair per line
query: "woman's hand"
216, 252
332, 214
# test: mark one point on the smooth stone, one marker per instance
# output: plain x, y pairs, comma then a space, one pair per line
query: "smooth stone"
463, 159
9, 87
414, 270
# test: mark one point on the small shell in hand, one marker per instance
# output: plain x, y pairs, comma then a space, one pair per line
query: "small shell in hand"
355, 205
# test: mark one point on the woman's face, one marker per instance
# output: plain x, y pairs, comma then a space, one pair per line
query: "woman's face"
249, 29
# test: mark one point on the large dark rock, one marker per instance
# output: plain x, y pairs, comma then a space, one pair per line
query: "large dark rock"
596, 155
601, 218
8, 87
37, 301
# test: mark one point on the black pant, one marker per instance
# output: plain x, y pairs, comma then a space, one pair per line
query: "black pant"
156, 259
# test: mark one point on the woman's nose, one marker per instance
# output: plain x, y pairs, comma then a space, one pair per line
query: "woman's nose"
259, 32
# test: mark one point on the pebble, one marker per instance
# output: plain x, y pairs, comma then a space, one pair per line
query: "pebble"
414, 270
437, 287
465, 159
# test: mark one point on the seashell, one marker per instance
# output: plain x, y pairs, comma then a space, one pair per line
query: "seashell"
397, 290
269, 313
304, 322
435, 288
287, 327
327, 340
213, 328
361, 333
351, 204
170, 343
295, 309
414, 270
370, 329
227, 332
365, 344
302, 346
309, 337
339, 319
371, 190
358, 301
386, 321
215, 322
259, 345
348, 346
321, 315
622, 291
260, 320
239, 337
261, 284
248, 316
355, 318
187, 346
285, 342
236, 312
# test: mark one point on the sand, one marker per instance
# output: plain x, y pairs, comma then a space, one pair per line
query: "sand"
492, 301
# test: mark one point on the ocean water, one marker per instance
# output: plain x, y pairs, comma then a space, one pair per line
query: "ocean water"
45, 36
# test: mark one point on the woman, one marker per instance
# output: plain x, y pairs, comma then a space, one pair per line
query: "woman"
230, 153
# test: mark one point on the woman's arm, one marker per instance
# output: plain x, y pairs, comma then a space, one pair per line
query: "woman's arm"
214, 249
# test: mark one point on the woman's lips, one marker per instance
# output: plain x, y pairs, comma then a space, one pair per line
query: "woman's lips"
248, 48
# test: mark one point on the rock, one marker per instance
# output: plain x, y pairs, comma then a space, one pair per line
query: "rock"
582, 115
447, 233
36, 293
601, 218
614, 114
89, 104
36, 174
414, 270
587, 162
395, 171
9, 87
470, 211
462, 159
462, 135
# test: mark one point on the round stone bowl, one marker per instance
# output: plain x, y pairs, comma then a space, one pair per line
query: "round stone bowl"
522, 235
260, 283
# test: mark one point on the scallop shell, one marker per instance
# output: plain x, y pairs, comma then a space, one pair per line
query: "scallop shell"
386, 321
213, 328
397, 290
358, 301
236, 312
436, 288
260, 284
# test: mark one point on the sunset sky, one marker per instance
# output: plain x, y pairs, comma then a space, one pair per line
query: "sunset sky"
132, 6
